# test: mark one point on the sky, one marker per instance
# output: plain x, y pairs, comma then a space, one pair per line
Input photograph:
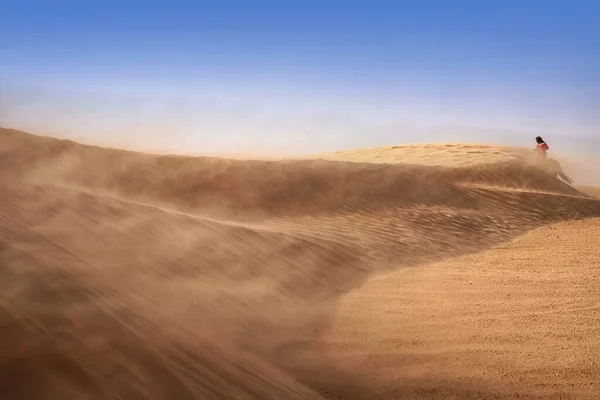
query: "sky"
302, 76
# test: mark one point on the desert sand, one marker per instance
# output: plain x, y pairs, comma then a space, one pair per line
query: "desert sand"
433, 271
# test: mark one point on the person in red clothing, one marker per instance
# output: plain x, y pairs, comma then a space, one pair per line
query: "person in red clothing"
549, 165
541, 147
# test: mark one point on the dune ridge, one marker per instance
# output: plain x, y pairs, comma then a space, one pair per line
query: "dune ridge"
156, 276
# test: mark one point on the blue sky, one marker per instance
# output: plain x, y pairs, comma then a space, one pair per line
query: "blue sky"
301, 76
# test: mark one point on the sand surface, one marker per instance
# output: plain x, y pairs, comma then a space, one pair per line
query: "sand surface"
434, 271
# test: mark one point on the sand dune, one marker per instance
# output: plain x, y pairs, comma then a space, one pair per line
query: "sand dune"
143, 276
517, 321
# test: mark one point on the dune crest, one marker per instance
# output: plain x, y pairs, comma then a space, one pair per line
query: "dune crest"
158, 277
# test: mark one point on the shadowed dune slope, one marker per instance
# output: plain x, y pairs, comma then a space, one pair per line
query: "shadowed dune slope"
145, 276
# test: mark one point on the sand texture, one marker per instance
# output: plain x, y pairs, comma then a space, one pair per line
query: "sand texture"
434, 271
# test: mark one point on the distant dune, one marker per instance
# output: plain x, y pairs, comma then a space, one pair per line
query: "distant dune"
429, 271
590, 191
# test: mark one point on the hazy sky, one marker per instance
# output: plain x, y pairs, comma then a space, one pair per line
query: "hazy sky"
301, 76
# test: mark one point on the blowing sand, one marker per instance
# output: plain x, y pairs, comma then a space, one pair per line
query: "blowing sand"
451, 271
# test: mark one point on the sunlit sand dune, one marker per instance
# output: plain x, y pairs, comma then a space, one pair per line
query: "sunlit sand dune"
517, 321
136, 276
432, 154
591, 191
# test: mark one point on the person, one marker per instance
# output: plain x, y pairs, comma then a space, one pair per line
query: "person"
550, 165
541, 147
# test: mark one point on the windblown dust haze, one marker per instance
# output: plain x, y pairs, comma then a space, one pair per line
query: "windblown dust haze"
430, 271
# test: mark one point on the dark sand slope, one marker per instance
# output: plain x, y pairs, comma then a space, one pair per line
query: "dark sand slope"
136, 276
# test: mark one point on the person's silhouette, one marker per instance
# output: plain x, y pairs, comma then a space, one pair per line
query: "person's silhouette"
541, 147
